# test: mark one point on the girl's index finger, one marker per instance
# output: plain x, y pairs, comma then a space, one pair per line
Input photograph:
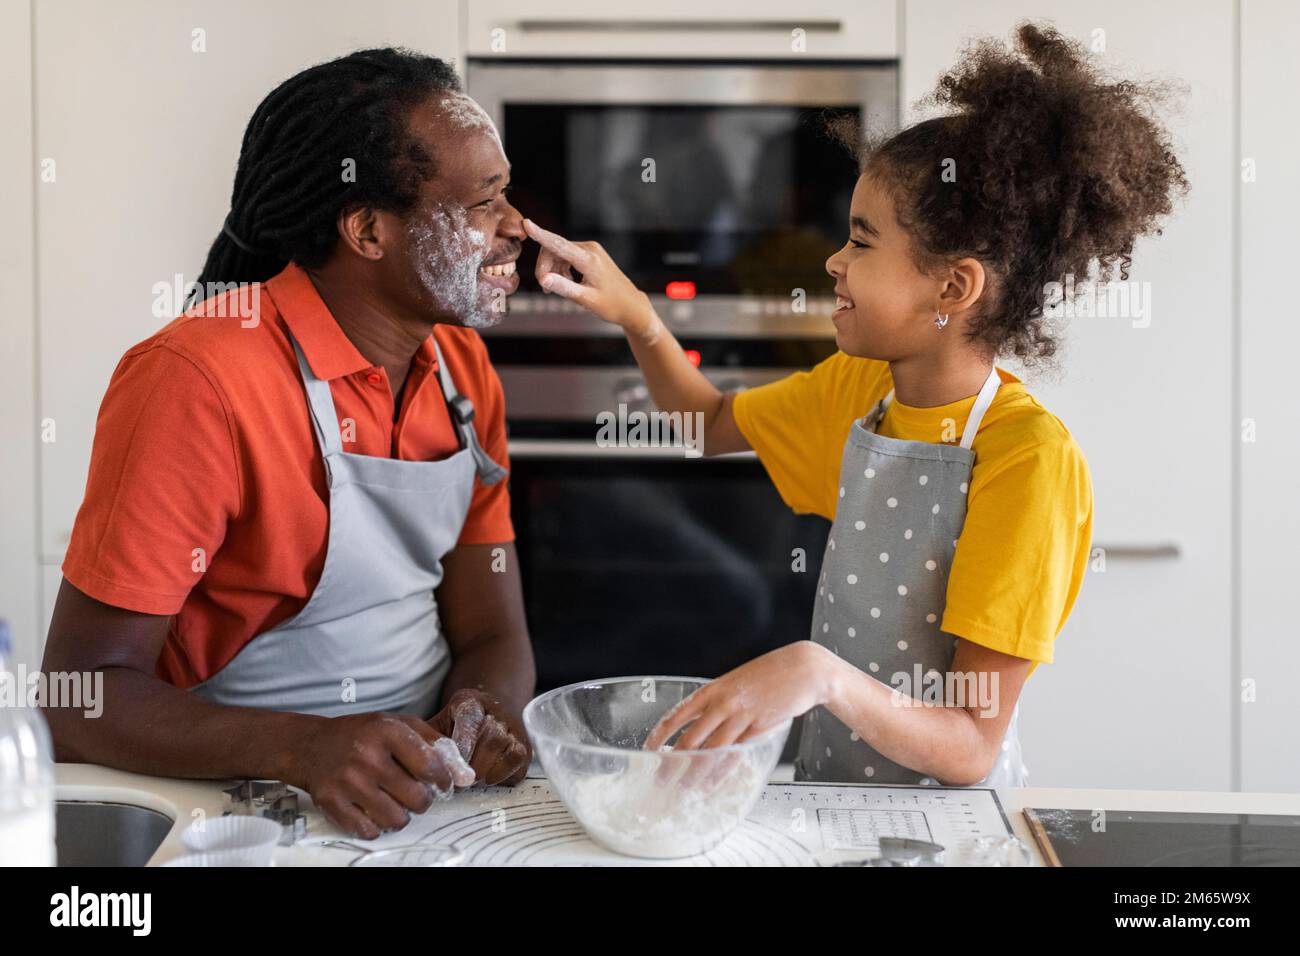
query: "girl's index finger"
570, 251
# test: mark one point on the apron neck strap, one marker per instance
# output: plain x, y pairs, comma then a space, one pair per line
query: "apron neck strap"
320, 403
325, 418
462, 419
982, 402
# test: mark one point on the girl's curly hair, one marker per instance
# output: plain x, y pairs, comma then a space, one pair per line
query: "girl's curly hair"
1056, 168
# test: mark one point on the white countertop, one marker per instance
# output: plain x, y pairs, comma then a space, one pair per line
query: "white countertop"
182, 800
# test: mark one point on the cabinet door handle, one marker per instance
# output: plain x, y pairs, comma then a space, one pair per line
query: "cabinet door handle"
1145, 551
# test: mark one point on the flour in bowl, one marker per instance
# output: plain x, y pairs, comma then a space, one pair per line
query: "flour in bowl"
642, 811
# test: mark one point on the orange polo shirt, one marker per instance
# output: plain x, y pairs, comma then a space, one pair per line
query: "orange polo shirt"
207, 498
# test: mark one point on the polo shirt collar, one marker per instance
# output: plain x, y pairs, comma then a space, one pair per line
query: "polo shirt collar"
329, 351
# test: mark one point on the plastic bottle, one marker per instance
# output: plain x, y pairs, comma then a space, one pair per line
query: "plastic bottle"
26, 773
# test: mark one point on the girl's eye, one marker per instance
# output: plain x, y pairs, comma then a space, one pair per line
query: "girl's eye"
859, 245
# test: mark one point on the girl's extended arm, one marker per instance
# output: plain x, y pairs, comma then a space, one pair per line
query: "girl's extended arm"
674, 383
956, 742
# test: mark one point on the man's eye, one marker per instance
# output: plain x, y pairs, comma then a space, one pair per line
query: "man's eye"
487, 202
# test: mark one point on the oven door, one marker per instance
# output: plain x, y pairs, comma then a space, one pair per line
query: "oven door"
701, 180
640, 561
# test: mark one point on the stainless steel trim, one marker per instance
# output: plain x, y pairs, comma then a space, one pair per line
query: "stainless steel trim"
574, 393
533, 448
708, 316
680, 26
871, 87
1151, 551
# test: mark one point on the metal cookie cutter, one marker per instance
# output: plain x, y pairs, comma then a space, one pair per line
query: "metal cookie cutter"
271, 799
902, 851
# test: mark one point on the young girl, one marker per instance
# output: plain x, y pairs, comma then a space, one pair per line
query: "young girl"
961, 507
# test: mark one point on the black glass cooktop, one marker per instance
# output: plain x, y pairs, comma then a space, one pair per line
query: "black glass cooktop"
1152, 838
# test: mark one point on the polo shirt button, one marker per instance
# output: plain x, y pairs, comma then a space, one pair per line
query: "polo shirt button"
374, 378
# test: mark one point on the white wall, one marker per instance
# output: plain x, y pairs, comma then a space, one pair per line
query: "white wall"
18, 571
1270, 342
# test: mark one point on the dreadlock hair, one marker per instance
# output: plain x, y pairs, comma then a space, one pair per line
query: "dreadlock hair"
1057, 169
290, 184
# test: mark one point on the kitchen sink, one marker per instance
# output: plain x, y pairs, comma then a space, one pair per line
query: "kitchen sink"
91, 833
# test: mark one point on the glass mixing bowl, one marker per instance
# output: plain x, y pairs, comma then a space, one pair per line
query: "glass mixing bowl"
664, 804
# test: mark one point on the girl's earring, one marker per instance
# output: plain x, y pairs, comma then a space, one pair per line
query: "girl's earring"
940, 320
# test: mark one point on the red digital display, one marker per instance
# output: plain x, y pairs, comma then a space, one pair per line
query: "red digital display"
693, 356
680, 290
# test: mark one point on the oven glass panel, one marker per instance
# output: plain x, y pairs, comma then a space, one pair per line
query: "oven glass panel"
744, 199
658, 567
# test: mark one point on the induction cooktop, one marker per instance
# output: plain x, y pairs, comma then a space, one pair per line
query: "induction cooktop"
1158, 838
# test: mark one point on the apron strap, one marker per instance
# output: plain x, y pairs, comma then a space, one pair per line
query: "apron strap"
462, 416
325, 418
321, 405
982, 403
877, 413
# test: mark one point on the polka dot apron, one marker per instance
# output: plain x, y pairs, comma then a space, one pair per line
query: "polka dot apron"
883, 587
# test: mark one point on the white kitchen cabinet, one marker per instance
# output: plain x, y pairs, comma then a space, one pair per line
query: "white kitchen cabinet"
1140, 694
1270, 342
144, 134
18, 571
672, 29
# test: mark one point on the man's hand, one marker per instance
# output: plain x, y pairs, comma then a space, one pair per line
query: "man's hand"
367, 772
490, 736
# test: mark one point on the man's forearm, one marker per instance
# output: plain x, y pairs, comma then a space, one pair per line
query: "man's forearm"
148, 726
502, 667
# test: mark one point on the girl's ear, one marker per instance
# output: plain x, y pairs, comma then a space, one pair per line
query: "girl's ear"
963, 286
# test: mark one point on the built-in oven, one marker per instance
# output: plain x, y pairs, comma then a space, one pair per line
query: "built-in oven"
719, 191
641, 561
716, 187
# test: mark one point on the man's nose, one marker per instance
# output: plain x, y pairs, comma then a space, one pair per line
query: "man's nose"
512, 223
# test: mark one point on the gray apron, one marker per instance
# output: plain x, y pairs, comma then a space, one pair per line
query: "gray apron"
369, 638
883, 588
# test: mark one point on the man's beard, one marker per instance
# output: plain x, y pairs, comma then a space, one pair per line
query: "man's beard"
448, 253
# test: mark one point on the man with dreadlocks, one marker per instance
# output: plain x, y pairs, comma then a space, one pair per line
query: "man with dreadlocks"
294, 559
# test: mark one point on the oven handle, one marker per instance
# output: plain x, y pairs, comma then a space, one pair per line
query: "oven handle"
525, 448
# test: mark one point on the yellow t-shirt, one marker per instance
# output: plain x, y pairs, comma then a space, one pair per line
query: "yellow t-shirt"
1023, 551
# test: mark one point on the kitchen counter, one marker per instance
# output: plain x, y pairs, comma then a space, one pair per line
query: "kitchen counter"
182, 800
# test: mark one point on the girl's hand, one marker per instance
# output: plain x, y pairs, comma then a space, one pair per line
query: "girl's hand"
604, 289
751, 699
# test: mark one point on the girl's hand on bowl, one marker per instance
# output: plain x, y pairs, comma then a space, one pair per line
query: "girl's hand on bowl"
750, 700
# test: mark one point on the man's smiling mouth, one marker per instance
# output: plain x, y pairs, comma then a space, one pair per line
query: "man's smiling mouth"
500, 269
